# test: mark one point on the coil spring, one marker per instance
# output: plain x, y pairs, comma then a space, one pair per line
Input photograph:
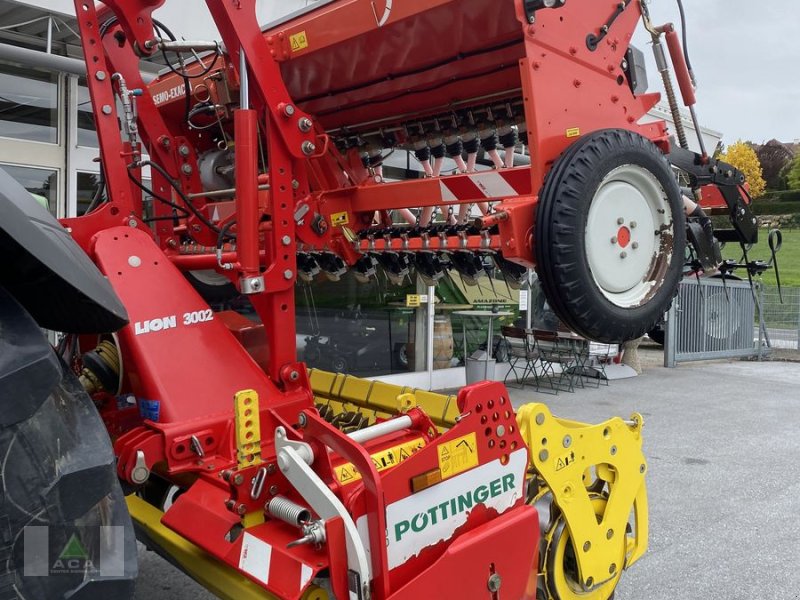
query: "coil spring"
289, 512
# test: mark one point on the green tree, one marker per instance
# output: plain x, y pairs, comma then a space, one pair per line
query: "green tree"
742, 156
793, 174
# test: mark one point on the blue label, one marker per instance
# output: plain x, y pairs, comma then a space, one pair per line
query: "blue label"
149, 409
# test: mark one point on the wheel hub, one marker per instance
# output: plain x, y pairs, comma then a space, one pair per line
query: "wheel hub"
627, 217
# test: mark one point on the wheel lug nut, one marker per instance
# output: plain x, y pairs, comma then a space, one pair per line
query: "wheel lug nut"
635, 245
620, 221
623, 254
614, 240
633, 224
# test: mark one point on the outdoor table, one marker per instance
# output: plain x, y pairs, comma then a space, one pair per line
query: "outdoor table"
481, 314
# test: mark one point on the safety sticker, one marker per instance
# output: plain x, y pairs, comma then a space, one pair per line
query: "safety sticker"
299, 41
391, 457
458, 455
573, 132
413, 300
149, 409
562, 462
339, 219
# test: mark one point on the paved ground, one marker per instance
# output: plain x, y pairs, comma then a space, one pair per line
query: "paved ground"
724, 482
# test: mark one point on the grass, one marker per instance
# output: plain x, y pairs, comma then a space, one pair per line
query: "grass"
788, 257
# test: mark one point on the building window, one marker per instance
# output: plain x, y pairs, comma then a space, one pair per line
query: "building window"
87, 131
87, 188
28, 104
42, 183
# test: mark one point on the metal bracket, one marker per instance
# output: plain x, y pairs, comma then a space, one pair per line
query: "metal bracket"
251, 285
293, 460
248, 428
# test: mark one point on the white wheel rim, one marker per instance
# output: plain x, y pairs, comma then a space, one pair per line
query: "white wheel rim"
629, 233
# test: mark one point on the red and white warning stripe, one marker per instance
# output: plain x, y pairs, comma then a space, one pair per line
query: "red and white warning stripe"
272, 568
486, 184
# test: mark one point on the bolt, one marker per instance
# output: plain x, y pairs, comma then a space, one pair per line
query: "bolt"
635, 245
294, 376
567, 441
614, 240
131, 222
238, 479
612, 568
308, 148
287, 274
633, 225
273, 490
590, 582
609, 534
295, 184
230, 504
241, 509
623, 254
642, 469
288, 110
501, 430
106, 109
100, 75
302, 419
494, 583
543, 455
587, 546
613, 450
186, 169
540, 418
531, 19
271, 469
620, 221
183, 150
226, 474
305, 124
286, 240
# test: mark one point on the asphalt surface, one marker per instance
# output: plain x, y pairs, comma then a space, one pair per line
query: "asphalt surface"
722, 444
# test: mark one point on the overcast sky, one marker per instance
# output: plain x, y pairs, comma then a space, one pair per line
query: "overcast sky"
746, 57
745, 53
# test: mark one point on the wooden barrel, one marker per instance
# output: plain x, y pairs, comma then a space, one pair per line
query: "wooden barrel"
442, 341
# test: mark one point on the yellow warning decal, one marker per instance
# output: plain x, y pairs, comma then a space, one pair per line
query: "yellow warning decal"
413, 300
573, 132
339, 219
385, 459
458, 455
299, 41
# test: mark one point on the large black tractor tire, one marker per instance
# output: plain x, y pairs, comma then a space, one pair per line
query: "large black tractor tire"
609, 237
66, 532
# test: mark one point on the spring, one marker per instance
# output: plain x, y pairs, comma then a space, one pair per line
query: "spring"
289, 512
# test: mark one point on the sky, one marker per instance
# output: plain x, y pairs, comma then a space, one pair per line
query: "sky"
746, 58
745, 54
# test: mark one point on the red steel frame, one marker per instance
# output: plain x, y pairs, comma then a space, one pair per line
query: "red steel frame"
191, 370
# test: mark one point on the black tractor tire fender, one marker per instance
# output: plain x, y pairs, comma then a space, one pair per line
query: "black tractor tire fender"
58, 475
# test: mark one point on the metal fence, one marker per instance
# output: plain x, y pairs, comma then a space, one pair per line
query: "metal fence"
781, 318
709, 321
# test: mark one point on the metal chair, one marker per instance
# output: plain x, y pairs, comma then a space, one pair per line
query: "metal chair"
520, 350
555, 351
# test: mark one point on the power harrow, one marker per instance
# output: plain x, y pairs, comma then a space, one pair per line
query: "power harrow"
266, 155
